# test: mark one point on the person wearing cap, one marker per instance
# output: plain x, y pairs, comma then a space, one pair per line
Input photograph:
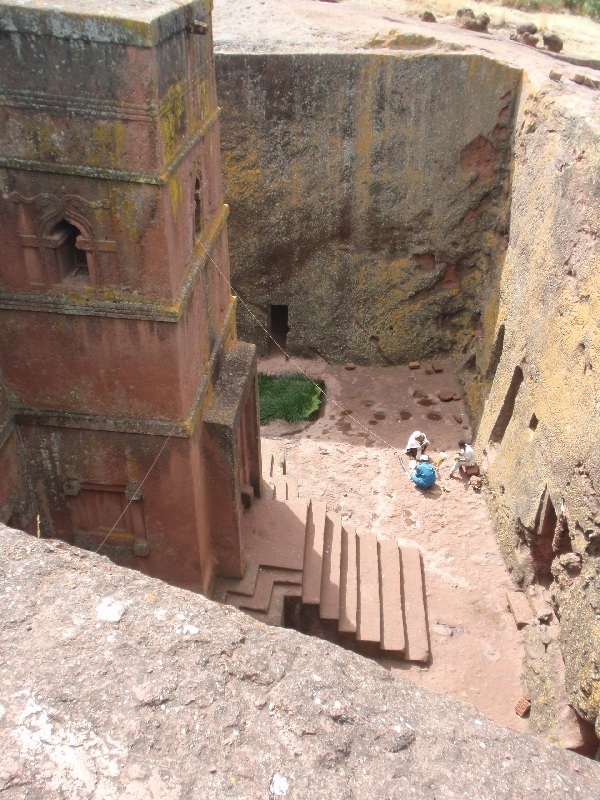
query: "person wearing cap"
416, 445
464, 458
424, 475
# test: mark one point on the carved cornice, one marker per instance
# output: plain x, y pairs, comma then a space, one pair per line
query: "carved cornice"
27, 415
86, 106
128, 307
44, 199
107, 174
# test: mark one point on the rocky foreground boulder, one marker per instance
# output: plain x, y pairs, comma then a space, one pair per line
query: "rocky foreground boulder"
117, 686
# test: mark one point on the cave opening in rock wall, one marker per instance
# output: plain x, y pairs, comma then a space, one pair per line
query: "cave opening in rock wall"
278, 327
542, 550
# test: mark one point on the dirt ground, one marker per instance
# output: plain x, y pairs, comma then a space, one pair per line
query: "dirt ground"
348, 458
312, 26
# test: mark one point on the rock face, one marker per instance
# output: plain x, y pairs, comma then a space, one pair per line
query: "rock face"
116, 685
537, 382
369, 194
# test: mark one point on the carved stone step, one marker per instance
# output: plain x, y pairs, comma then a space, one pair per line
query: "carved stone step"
245, 586
267, 468
267, 578
313, 553
292, 487
278, 466
275, 615
274, 533
390, 591
415, 613
368, 618
329, 607
285, 488
347, 620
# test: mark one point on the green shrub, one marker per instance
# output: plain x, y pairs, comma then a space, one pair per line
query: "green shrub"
592, 8
289, 397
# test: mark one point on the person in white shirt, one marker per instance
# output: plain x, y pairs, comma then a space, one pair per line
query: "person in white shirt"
416, 445
465, 458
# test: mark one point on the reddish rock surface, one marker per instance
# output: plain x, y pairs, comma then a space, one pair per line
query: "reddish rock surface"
116, 685
117, 328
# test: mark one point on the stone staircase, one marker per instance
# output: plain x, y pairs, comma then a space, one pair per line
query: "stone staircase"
294, 547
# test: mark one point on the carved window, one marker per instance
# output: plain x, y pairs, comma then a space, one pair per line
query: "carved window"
496, 352
71, 257
197, 207
60, 240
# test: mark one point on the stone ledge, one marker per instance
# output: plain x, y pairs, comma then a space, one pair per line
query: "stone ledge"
105, 173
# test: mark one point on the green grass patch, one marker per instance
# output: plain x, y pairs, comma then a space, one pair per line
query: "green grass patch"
289, 397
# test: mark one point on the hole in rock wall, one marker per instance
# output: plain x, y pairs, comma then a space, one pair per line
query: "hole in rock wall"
496, 352
533, 422
581, 737
542, 550
561, 543
278, 326
508, 407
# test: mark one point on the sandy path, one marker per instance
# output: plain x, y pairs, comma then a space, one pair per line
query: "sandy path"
477, 650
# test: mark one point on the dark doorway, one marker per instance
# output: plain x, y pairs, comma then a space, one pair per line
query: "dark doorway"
278, 327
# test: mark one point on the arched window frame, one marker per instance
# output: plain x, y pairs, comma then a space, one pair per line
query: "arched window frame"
57, 268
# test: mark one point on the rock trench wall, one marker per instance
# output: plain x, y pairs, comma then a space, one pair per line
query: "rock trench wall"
541, 447
370, 195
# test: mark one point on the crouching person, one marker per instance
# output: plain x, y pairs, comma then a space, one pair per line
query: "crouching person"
464, 460
423, 475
